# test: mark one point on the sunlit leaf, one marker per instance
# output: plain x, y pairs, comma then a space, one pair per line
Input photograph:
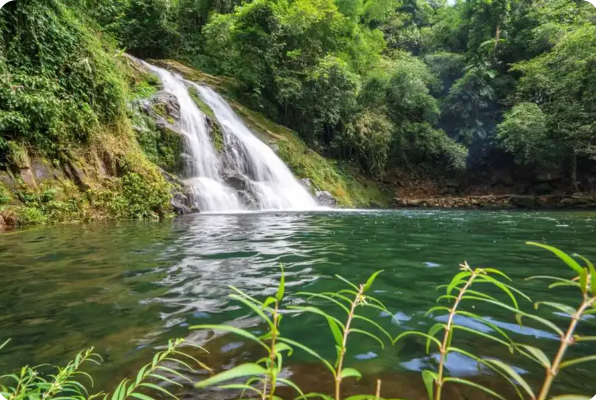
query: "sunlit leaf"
577, 361
141, 396
350, 372
476, 385
583, 280
485, 322
479, 333
241, 293
326, 297
415, 333
456, 280
158, 388
317, 311
239, 386
255, 308
232, 329
365, 333
370, 281
309, 351
496, 271
437, 308
564, 284
347, 281
379, 327
429, 379
282, 284
432, 332
337, 334
585, 338
279, 347
4, 344
236, 372
558, 306
501, 286
513, 374
538, 354
563, 256
291, 384
571, 397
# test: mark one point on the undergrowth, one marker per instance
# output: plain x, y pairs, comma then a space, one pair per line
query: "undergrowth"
261, 378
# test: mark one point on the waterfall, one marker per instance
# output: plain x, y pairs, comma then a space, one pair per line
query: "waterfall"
248, 175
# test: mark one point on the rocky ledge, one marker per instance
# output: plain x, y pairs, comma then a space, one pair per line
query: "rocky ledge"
580, 201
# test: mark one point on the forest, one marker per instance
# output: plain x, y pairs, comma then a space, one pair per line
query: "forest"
418, 85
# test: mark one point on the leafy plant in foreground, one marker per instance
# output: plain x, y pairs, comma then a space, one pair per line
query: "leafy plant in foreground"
263, 375
30, 383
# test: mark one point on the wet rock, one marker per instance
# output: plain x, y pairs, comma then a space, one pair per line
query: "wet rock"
180, 204
237, 181
523, 201
325, 199
248, 199
306, 182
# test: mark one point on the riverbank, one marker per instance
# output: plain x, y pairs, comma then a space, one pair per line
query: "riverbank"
501, 201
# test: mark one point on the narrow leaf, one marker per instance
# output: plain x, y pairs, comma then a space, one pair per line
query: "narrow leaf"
539, 354
513, 374
476, 385
232, 329
370, 281
563, 256
431, 334
577, 361
350, 372
429, 379
236, 372
282, 285
558, 306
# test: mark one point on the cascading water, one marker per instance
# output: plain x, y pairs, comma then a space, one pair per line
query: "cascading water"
261, 180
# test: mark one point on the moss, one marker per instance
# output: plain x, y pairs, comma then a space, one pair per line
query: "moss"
5, 195
215, 130
344, 182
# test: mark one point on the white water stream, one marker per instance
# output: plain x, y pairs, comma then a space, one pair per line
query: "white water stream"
266, 182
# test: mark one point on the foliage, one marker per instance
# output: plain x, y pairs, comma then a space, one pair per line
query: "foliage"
65, 383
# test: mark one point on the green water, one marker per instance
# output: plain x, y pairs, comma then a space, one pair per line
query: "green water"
126, 288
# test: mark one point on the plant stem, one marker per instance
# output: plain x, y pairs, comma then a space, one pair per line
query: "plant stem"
566, 341
378, 393
340, 360
272, 353
448, 329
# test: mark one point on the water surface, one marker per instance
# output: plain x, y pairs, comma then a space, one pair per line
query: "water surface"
126, 288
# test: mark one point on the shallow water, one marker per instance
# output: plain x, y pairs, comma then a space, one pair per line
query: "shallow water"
126, 288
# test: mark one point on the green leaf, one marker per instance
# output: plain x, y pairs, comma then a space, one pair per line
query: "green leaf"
326, 297
379, 327
437, 308
282, 285
317, 395
370, 281
583, 281
584, 338
476, 385
232, 329
291, 384
309, 351
563, 284
577, 361
571, 397
365, 333
350, 372
241, 293
538, 354
164, 379
563, 256
337, 334
347, 281
496, 271
485, 322
456, 280
408, 333
240, 386
255, 308
4, 344
236, 372
513, 374
141, 396
501, 286
592, 281
158, 388
429, 379
479, 333
279, 347
432, 332
558, 306
317, 311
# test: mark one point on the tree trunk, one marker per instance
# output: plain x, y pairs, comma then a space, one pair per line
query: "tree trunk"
497, 36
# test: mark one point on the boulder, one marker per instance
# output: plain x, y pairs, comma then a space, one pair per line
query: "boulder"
306, 182
523, 201
325, 199
248, 199
180, 205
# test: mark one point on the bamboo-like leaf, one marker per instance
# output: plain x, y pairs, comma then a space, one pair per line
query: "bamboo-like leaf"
317, 311
338, 295
279, 347
429, 379
485, 322
480, 294
347, 281
416, 333
326, 297
432, 332
317, 395
365, 333
496, 271
232, 329
501, 286
518, 312
563, 256
479, 333
255, 308
337, 334
141, 396
457, 279
350, 372
577, 361
584, 338
236, 372
513, 374
157, 387
564, 284
592, 280
571, 397
379, 327
246, 296
547, 277
437, 308
164, 379
309, 351
583, 281
558, 306
370, 281
538, 354
4, 344
446, 296
240, 386
282, 284
173, 372
291, 384
476, 385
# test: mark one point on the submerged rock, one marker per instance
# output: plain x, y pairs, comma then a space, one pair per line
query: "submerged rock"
325, 199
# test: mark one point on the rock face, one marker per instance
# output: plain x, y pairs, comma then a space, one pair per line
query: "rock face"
181, 196
325, 199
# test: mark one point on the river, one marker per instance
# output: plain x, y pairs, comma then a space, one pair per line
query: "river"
127, 287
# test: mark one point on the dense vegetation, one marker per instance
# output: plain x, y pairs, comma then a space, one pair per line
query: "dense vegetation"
423, 85
345, 314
